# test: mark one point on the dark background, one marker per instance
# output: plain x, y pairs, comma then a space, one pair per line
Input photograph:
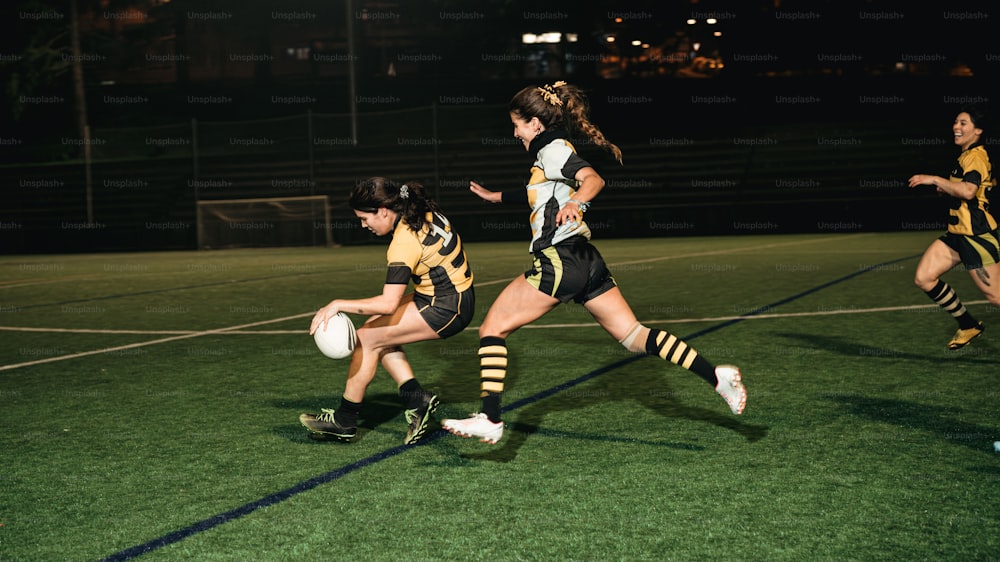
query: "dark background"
778, 117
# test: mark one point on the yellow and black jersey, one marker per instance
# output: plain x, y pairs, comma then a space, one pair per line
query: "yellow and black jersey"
433, 258
972, 217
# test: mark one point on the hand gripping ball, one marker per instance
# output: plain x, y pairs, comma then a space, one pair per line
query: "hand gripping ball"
337, 340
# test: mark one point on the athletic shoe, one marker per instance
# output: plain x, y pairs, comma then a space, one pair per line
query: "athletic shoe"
730, 387
418, 418
325, 425
963, 337
478, 426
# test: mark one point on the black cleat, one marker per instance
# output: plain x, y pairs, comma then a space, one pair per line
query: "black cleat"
419, 417
325, 426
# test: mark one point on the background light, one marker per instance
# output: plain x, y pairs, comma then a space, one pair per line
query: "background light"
547, 37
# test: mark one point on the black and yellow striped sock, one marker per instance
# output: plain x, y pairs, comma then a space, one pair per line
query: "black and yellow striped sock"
492, 371
946, 298
671, 348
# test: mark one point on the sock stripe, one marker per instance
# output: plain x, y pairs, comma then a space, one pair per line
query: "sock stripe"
489, 386
689, 358
493, 374
675, 350
492, 371
678, 352
493, 350
946, 297
499, 361
671, 348
665, 341
938, 291
949, 301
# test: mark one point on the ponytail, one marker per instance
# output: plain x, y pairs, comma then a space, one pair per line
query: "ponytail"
561, 104
409, 200
415, 205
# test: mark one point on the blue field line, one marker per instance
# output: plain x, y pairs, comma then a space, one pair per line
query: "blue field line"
278, 497
759, 310
266, 501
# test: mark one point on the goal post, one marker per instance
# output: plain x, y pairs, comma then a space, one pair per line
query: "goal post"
264, 222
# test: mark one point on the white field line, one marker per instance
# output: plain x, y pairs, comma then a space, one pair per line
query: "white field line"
612, 266
151, 342
768, 316
240, 330
182, 335
40, 281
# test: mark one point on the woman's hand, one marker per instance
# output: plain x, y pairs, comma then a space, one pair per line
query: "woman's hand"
570, 212
921, 179
485, 194
323, 316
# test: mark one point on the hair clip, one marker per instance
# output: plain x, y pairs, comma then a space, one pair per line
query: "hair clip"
549, 93
404, 192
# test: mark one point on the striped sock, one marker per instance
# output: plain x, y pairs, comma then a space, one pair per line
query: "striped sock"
671, 348
492, 371
945, 297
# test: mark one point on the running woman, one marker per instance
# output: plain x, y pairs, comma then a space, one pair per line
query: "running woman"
426, 250
566, 266
972, 238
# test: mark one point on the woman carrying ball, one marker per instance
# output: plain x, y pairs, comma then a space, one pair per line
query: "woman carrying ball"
566, 265
426, 250
972, 238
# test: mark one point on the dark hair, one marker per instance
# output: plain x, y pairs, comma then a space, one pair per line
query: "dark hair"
409, 200
977, 114
560, 104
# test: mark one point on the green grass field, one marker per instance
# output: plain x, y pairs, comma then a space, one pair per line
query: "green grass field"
150, 402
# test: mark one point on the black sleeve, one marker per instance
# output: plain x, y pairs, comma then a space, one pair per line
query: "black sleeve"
398, 274
514, 196
573, 165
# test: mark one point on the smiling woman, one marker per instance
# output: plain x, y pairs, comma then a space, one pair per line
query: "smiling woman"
972, 238
566, 266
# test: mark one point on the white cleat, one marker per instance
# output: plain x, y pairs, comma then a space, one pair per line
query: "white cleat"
478, 426
731, 387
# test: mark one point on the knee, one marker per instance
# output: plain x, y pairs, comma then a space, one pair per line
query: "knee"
923, 282
367, 338
489, 333
491, 327
635, 338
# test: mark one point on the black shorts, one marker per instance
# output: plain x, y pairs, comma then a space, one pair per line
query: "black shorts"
977, 251
573, 270
447, 314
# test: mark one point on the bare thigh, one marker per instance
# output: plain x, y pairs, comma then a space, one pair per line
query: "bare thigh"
519, 304
403, 326
612, 312
937, 260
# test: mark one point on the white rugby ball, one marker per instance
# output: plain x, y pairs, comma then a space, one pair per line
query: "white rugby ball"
337, 340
